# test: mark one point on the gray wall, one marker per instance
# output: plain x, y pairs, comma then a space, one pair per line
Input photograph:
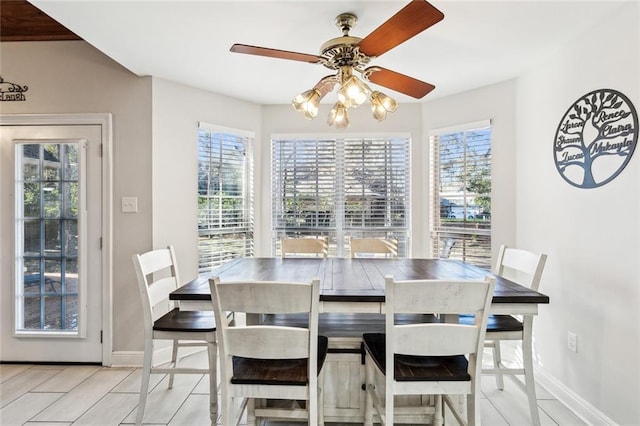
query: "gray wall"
495, 102
177, 109
73, 77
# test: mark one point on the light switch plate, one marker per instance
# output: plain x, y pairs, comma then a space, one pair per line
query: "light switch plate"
129, 204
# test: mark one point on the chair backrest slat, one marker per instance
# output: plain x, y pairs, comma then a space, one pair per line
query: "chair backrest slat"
159, 290
269, 342
157, 274
156, 260
438, 340
387, 247
521, 266
265, 297
297, 246
438, 296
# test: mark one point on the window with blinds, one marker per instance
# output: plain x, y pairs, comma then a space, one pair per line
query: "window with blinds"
225, 196
461, 192
339, 188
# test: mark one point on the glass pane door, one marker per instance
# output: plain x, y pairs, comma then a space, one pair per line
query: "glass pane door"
48, 214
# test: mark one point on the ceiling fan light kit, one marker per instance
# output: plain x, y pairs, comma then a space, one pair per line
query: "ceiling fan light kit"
347, 54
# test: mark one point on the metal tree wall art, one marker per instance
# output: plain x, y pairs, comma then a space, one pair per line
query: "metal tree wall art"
596, 138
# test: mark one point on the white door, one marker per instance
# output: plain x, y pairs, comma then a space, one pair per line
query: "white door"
50, 242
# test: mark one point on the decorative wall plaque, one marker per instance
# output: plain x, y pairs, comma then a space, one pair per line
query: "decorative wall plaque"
596, 138
12, 91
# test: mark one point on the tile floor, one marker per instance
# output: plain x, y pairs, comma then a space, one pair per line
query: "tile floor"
51, 395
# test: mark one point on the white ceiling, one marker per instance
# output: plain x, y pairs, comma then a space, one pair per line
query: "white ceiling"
478, 43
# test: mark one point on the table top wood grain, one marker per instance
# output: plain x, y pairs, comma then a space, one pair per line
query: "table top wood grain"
353, 280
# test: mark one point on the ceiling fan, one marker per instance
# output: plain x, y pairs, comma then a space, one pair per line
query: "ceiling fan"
347, 54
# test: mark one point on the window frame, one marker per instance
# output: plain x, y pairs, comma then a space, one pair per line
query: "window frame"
469, 231
20, 219
338, 230
245, 246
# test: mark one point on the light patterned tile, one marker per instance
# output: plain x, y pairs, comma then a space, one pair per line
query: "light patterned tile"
110, 396
75, 403
560, 413
110, 410
163, 403
47, 424
490, 415
203, 386
8, 371
67, 379
489, 382
131, 384
19, 384
512, 404
26, 407
194, 411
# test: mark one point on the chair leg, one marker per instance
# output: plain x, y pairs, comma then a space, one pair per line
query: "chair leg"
388, 401
368, 388
174, 361
228, 409
321, 399
312, 405
527, 358
497, 363
212, 350
438, 415
144, 386
473, 406
251, 412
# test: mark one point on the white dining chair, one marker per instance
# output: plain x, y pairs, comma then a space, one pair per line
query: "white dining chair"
307, 246
525, 268
433, 358
157, 274
260, 363
384, 247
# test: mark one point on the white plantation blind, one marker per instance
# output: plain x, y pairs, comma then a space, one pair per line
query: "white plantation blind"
461, 191
339, 188
225, 196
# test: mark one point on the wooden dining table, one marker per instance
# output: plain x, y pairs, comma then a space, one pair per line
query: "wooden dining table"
357, 285
352, 302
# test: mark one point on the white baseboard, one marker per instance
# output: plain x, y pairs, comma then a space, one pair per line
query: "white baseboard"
581, 408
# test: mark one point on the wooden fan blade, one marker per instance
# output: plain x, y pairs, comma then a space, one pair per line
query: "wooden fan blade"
411, 20
398, 82
275, 53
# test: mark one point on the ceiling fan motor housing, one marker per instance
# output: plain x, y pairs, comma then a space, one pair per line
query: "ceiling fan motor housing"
343, 51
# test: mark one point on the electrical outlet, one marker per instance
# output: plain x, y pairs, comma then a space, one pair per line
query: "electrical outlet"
572, 341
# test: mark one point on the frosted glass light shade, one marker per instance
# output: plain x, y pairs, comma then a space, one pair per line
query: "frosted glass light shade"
307, 103
381, 104
338, 117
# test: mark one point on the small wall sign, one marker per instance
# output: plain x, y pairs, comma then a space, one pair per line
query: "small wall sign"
10, 92
596, 138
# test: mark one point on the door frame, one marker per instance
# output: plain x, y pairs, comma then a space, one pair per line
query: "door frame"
104, 120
